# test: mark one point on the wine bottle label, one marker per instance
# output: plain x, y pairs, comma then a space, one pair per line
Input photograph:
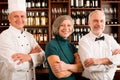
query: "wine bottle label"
43, 21
33, 4
83, 21
87, 3
43, 4
76, 3
78, 21
96, 3
72, 3
37, 21
38, 4
28, 4
41, 37
45, 37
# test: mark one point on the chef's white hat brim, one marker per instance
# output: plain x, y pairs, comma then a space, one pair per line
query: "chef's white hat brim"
16, 5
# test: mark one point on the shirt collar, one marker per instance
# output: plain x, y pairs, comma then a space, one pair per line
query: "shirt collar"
94, 36
15, 31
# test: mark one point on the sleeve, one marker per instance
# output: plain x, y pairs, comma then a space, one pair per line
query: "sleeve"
73, 48
115, 59
5, 72
6, 51
84, 51
37, 58
51, 49
32, 40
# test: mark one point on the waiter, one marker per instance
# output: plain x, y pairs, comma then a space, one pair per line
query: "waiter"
19, 51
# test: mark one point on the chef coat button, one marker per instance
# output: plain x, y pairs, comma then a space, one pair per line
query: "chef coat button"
27, 44
18, 36
24, 36
21, 45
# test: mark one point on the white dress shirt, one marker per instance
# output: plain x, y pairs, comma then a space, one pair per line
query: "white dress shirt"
89, 48
13, 41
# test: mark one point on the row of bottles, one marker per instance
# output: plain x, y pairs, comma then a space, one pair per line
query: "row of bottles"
57, 11
84, 3
34, 18
40, 34
59, 0
80, 17
37, 3
78, 33
37, 18
4, 17
111, 15
4, 23
115, 35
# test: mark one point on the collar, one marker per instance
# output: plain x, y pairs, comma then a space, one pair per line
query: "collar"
16, 31
59, 38
94, 36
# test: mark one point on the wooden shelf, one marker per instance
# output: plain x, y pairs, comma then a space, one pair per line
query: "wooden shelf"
57, 2
116, 25
85, 9
110, 1
1, 3
4, 26
46, 26
37, 9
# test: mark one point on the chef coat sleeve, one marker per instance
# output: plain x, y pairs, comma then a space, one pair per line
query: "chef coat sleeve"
38, 57
6, 51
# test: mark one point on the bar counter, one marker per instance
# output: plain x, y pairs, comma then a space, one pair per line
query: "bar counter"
42, 74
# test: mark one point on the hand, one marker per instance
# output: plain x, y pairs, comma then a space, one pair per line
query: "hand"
91, 61
60, 66
116, 51
36, 49
20, 57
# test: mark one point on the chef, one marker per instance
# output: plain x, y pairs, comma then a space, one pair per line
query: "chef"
19, 51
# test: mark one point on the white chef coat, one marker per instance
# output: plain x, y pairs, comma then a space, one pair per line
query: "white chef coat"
89, 48
13, 41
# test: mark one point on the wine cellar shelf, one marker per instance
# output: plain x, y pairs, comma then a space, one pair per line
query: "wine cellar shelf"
42, 13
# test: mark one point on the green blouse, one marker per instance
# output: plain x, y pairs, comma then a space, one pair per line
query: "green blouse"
65, 50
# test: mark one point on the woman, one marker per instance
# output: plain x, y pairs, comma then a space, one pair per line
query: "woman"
62, 56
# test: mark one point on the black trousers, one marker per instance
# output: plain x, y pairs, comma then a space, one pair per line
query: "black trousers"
82, 78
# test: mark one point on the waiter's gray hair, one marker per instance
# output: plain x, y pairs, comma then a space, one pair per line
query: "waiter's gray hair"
96, 12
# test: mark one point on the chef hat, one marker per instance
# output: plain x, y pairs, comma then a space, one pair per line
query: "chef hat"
16, 5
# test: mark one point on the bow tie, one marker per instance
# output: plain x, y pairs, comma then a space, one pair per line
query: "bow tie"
100, 38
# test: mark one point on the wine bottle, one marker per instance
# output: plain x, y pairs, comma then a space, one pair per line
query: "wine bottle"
72, 4
33, 3
45, 35
37, 19
37, 4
